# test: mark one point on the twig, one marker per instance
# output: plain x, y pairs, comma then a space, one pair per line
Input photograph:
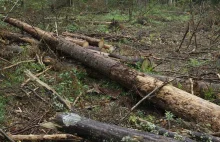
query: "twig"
39, 59
11, 9
26, 81
6, 136
17, 64
56, 28
5, 60
147, 96
66, 103
76, 100
191, 85
193, 34
187, 30
35, 93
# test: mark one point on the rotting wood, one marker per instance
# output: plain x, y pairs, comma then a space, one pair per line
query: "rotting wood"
181, 103
99, 132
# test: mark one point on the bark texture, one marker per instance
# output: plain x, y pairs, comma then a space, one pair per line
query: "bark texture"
99, 132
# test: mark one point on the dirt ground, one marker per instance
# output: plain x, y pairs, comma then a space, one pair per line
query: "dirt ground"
24, 108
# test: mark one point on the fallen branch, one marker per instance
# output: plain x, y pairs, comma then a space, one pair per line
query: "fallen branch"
99, 132
145, 97
8, 67
5, 60
18, 37
53, 137
65, 102
26, 81
184, 36
77, 98
6, 136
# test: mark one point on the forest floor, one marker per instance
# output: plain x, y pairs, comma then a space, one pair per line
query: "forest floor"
158, 34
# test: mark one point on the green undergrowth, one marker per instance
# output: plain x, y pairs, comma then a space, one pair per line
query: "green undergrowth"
70, 83
151, 16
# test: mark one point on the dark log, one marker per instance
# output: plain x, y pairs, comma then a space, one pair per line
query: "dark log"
204, 137
99, 132
161, 131
181, 103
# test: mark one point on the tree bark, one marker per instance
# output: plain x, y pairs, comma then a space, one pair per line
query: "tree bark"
200, 88
92, 41
181, 103
18, 37
99, 132
44, 137
79, 42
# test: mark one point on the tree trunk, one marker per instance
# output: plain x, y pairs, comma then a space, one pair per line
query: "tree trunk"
181, 103
92, 41
99, 132
200, 88
79, 42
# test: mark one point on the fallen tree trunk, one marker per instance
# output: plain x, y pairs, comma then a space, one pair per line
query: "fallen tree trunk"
200, 88
99, 132
181, 103
78, 41
18, 37
92, 41
161, 131
203, 137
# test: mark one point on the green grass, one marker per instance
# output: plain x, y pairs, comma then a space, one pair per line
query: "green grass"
196, 63
209, 94
70, 83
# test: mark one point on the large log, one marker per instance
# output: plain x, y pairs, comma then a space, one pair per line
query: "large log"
99, 132
18, 37
200, 88
92, 41
181, 103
